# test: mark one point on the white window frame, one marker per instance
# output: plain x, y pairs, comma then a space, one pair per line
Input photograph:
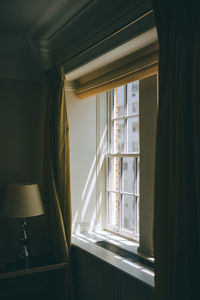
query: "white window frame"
119, 230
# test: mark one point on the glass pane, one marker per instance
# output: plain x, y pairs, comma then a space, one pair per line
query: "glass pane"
128, 175
118, 136
138, 175
133, 98
114, 209
118, 106
137, 215
133, 134
114, 174
128, 213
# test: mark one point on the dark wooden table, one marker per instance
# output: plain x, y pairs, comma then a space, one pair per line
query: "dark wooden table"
43, 279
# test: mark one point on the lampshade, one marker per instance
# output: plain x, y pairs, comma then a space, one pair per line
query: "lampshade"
22, 201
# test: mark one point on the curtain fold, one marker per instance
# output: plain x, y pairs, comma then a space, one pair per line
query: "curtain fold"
56, 167
177, 178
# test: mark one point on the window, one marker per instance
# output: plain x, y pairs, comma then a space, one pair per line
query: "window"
124, 161
115, 185
134, 87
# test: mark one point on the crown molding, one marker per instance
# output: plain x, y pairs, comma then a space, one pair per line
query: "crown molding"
70, 33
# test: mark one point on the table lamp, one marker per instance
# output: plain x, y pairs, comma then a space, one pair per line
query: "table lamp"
22, 200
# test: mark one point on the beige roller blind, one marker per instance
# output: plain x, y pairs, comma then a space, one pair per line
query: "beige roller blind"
137, 65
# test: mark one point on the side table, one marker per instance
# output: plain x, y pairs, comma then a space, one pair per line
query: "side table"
43, 279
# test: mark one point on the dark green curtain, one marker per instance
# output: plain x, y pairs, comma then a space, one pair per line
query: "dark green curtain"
56, 167
177, 182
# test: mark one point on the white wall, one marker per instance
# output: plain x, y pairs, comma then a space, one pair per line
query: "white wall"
86, 190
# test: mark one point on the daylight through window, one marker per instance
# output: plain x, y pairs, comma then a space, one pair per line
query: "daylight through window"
124, 161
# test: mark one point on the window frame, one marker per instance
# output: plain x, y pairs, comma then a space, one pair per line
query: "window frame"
133, 235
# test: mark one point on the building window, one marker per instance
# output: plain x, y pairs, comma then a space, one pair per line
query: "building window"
134, 127
135, 87
123, 161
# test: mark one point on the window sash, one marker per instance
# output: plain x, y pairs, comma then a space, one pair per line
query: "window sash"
133, 234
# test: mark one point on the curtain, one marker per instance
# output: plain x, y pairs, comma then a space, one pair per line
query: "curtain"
177, 178
56, 167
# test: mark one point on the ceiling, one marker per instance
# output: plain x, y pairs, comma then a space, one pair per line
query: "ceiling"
34, 35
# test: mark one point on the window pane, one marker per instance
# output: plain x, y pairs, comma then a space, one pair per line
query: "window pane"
138, 175
118, 105
137, 215
118, 136
128, 175
114, 174
123, 172
133, 134
114, 209
133, 98
128, 213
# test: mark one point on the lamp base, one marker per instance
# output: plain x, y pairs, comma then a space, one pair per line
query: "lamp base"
23, 253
